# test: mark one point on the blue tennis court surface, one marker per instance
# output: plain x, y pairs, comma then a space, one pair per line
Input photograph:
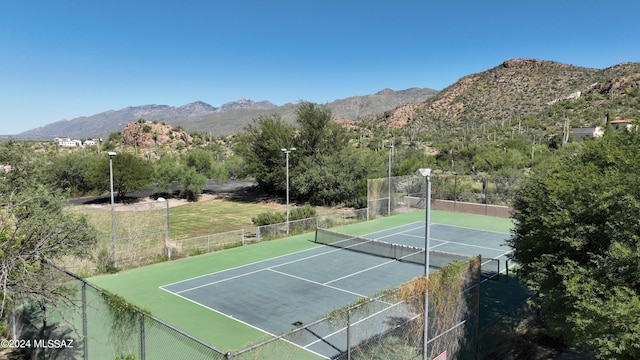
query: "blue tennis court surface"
299, 288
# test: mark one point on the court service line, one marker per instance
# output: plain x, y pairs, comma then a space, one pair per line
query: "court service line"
465, 244
361, 271
316, 283
251, 272
245, 265
219, 312
451, 242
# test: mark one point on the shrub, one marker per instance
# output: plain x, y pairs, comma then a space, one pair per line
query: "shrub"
268, 218
304, 212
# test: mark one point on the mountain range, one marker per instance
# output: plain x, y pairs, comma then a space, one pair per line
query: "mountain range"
230, 118
517, 91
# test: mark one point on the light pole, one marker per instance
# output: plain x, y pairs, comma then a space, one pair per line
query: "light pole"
287, 151
427, 174
389, 201
168, 229
113, 218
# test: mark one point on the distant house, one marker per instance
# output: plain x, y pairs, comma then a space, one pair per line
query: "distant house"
623, 123
67, 142
587, 132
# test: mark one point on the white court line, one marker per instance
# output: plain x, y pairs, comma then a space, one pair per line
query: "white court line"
255, 271
317, 283
465, 244
361, 271
449, 241
244, 323
241, 266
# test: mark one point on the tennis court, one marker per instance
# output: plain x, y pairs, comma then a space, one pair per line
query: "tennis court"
277, 294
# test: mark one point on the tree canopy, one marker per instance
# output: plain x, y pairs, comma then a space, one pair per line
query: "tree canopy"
325, 169
261, 149
577, 238
129, 173
34, 227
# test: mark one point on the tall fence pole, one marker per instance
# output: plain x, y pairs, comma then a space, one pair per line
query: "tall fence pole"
348, 334
143, 352
455, 191
85, 336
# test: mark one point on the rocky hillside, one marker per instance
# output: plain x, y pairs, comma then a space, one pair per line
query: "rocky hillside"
146, 134
520, 88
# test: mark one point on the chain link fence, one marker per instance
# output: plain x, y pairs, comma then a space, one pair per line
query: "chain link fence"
207, 243
390, 326
482, 195
130, 236
494, 336
295, 227
139, 236
103, 326
90, 323
100, 325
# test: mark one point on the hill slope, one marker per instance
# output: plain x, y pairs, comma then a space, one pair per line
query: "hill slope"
522, 88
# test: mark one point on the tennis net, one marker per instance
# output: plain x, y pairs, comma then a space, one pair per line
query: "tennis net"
399, 252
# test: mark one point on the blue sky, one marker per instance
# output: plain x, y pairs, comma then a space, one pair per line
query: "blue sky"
64, 59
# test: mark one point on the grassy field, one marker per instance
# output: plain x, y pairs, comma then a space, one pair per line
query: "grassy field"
215, 216
187, 220
141, 228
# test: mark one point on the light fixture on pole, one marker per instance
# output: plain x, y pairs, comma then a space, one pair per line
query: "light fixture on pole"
287, 151
389, 182
427, 247
113, 218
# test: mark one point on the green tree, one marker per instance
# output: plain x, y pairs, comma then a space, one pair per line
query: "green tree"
261, 149
130, 173
314, 122
577, 241
165, 171
191, 183
35, 227
337, 178
25, 169
68, 172
201, 160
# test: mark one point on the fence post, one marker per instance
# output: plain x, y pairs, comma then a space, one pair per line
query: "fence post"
85, 336
348, 334
506, 269
477, 305
455, 191
143, 353
485, 186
